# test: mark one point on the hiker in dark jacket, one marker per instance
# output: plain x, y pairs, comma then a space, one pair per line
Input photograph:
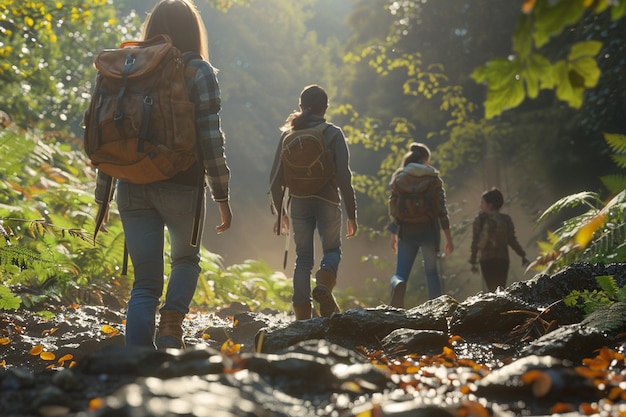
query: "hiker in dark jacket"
321, 210
492, 234
147, 209
409, 237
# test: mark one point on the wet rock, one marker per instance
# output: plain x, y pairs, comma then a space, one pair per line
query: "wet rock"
419, 342
16, 379
279, 336
577, 341
489, 316
536, 382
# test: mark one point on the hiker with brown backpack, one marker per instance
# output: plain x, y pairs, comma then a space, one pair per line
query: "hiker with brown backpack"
153, 129
310, 170
417, 206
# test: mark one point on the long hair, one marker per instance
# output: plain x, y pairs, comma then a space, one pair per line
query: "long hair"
418, 153
181, 21
313, 100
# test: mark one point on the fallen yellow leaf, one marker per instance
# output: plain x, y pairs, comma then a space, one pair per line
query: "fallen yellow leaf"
36, 350
108, 329
5, 341
47, 356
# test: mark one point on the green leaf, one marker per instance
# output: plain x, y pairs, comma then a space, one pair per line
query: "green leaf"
619, 10
566, 88
584, 50
607, 283
8, 300
551, 17
522, 38
537, 75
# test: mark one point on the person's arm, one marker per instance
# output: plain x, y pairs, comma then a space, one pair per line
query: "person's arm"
206, 96
343, 174
276, 180
476, 228
514, 244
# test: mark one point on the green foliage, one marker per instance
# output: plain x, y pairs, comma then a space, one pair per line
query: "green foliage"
46, 52
8, 300
617, 143
252, 282
597, 234
590, 301
45, 214
528, 70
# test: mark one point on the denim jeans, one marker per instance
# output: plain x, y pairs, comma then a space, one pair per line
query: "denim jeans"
307, 214
146, 210
408, 247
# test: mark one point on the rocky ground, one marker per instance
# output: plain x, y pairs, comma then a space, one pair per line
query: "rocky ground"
516, 352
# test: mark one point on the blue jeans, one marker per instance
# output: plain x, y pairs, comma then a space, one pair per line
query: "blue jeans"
306, 215
408, 246
145, 211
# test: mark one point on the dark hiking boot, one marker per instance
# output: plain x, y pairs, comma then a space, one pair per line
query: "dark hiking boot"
397, 294
170, 330
323, 292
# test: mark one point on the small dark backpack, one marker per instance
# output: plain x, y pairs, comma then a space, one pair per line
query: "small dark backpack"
307, 163
494, 231
140, 125
413, 198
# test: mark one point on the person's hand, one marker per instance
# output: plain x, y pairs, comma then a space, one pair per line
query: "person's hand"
394, 243
449, 247
284, 229
226, 216
352, 228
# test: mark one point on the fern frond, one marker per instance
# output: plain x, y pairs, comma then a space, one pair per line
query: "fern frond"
19, 255
608, 284
616, 142
607, 318
620, 160
614, 183
587, 198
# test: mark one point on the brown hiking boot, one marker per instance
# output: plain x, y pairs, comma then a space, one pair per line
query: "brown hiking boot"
323, 292
302, 311
171, 330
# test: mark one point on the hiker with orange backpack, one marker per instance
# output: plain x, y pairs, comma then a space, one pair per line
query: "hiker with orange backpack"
418, 208
310, 169
160, 170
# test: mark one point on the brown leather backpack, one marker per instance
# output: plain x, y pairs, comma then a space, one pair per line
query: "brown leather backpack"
140, 125
307, 163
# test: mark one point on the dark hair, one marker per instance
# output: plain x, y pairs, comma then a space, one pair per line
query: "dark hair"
494, 197
181, 21
313, 100
418, 153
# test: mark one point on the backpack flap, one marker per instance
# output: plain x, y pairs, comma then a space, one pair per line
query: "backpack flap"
127, 61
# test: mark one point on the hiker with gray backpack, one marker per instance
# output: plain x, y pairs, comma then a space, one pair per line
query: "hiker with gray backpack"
310, 170
153, 129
